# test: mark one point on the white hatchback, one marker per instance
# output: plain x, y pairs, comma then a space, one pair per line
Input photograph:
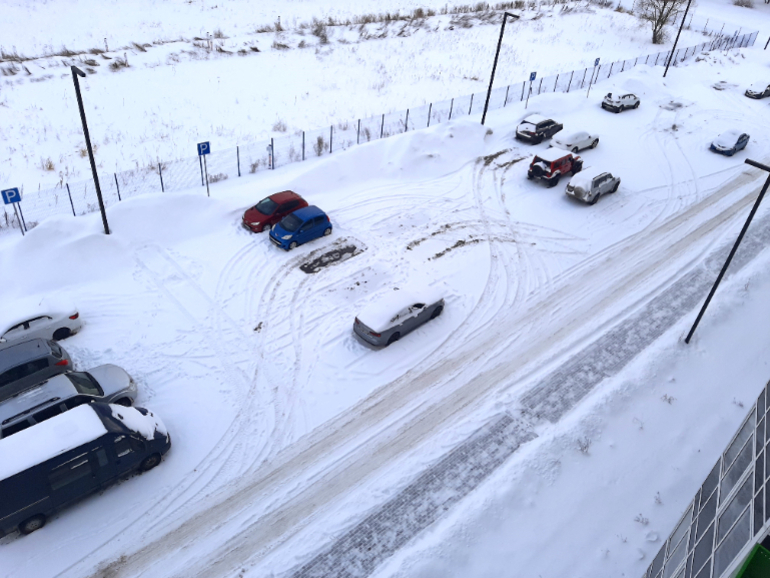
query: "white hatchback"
39, 320
576, 141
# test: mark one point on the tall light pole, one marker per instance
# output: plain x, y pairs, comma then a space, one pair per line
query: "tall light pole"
677, 38
494, 65
75, 73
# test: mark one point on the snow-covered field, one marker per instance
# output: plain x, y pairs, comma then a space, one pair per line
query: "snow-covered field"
287, 430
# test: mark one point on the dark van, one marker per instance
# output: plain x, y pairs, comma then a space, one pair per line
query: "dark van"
55, 463
28, 363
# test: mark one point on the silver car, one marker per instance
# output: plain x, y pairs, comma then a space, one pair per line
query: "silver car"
106, 383
620, 102
397, 314
590, 184
31, 321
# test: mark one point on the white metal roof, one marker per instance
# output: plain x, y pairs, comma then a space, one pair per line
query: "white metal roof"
49, 439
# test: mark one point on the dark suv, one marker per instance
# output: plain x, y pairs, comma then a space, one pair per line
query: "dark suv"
552, 164
535, 129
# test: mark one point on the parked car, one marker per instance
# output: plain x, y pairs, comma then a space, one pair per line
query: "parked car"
106, 383
390, 318
535, 129
758, 90
620, 103
31, 321
730, 142
552, 164
300, 227
589, 185
24, 365
271, 210
66, 458
576, 141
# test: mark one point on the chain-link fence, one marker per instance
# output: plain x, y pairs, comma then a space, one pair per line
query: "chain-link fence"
80, 198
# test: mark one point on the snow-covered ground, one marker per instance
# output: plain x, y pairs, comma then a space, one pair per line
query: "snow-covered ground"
288, 431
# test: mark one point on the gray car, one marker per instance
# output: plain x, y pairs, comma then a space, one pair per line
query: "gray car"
25, 364
592, 183
397, 314
106, 383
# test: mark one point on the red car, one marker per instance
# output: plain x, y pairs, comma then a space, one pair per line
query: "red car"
272, 209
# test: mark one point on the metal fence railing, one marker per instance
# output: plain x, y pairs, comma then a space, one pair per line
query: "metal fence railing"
80, 198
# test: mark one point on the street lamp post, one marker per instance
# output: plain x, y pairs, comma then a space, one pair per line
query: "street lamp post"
681, 25
75, 73
494, 65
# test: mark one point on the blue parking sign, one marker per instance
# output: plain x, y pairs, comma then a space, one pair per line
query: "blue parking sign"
11, 196
203, 148
532, 76
596, 62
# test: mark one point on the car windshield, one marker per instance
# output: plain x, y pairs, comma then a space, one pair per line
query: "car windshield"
266, 206
291, 222
84, 383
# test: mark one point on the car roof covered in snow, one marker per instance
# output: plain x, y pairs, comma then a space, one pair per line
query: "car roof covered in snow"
728, 138
379, 314
583, 178
27, 308
534, 119
49, 439
570, 137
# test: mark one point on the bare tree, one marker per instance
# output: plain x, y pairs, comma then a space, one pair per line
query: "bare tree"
659, 13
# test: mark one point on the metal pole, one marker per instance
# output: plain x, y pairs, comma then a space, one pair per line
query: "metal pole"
75, 73
200, 162
677, 37
735, 246
583, 82
71, 203
528, 93
206, 169
766, 43
272, 158
570, 80
21, 213
406, 121
590, 81
237, 160
507, 90
331, 139
610, 72
523, 86
358, 131
540, 86
430, 111
555, 83
382, 125
451, 107
494, 64
117, 187
160, 172
470, 108
303, 145
18, 219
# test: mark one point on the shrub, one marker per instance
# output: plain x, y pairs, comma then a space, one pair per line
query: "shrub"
47, 164
319, 30
279, 126
319, 146
216, 178
118, 64
744, 3
279, 46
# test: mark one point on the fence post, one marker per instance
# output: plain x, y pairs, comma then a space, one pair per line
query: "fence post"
382, 126
430, 110
636, 61
451, 108
331, 138
555, 83
237, 160
623, 67
160, 172
470, 108
646, 59
117, 186
523, 86
358, 132
570, 80
406, 121
506, 95
539, 86
272, 154
71, 203
706, 24
583, 82
656, 59
303, 145
610, 72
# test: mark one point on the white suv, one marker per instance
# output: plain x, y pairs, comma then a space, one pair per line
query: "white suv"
620, 102
590, 184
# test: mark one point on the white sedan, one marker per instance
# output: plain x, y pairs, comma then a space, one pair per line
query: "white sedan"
576, 141
39, 321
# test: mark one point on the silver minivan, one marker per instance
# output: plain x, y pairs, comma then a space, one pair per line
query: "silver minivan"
106, 383
24, 365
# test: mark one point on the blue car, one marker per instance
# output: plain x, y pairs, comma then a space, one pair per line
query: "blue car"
730, 142
300, 227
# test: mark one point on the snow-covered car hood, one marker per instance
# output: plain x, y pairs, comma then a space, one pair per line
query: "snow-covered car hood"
111, 378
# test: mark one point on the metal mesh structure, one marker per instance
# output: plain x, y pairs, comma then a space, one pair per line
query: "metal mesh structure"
250, 158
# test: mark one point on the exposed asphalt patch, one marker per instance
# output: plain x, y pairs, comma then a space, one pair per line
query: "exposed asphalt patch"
460, 243
330, 258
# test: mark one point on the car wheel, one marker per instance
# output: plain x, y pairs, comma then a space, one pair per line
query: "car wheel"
393, 338
263, 227
575, 150
593, 201
437, 311
538, 140
149, 462
730, 152
595, 143
636, 105
617, 110
32, 524
577, 167
125, 402
615, 188
292, 245
328, 231
61, 333
529, 175
554, 181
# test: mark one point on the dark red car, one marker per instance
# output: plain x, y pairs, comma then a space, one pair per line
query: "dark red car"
272, 209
